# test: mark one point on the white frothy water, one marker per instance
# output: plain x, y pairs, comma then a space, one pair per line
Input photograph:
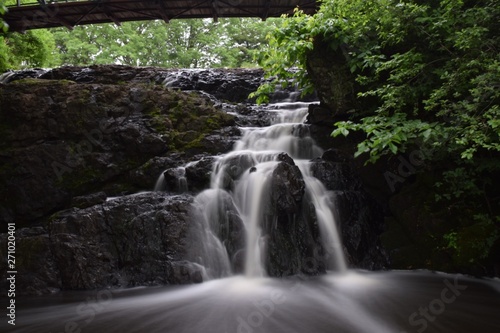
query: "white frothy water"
249, 193
326, 220
217, 263
243, 177
181, 185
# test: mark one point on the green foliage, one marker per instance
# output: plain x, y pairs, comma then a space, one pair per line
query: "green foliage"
3, 47
472, 243
428, 79
35, 48
3, 9
435, 63
240, 41
192, 43
390, 134
286, 55
4, 58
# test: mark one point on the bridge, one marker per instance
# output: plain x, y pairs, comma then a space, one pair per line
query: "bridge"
30, 14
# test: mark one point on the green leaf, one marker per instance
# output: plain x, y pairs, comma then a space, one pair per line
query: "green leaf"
427, 133
393, 148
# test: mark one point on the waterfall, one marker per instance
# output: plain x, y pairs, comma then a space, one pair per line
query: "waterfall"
264, 215
239, 199
4, 77
326, 219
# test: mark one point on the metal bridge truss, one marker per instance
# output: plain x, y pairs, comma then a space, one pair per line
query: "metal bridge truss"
70, 13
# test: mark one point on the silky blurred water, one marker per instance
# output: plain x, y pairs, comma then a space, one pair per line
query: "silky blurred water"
354, 302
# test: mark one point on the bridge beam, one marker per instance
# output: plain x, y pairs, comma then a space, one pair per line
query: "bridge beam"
56, 13
65, 22
265, 13
215, 10
163, 11
52, 14
111, 16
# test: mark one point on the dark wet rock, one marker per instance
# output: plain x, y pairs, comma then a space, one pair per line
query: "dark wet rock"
175, 180
198, 173
361, 225
232, 85
336, 176
336, 156
184, 272
293, 236
334, 82
230, 229
318, 115
127, 241
61, 139
221, 141
31, 73
193, 176
146, 175
361, 218
36, 266
90, 200
284, 157
250, 115
287, 189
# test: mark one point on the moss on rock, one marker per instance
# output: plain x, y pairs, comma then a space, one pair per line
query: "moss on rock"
64, 139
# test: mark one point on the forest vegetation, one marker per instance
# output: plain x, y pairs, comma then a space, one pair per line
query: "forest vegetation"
427, 80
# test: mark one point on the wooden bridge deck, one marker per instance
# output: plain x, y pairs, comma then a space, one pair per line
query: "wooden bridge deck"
70, 13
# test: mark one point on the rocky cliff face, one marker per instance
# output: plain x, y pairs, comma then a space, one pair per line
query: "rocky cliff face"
126, 241
82, 148
61, 140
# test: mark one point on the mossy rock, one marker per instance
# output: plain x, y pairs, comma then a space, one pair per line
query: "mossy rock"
41, 82
96, 134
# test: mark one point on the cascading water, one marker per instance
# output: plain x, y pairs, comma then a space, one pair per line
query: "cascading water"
266, 215
243, 178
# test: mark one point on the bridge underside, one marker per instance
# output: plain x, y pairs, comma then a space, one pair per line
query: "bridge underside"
73, 13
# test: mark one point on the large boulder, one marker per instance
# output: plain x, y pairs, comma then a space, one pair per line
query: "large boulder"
334, 83
60, 139
127, 241
287, 189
